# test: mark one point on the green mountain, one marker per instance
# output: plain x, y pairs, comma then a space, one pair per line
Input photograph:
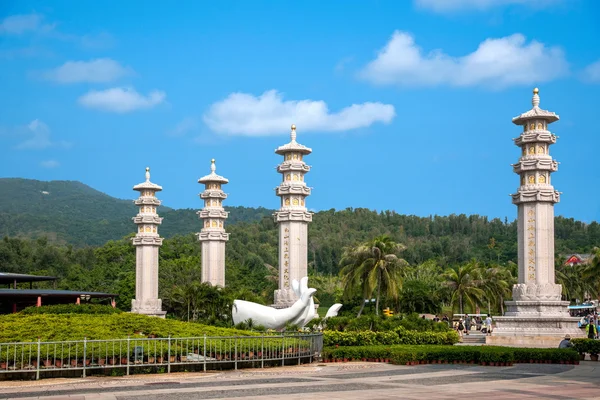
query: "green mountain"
72, 212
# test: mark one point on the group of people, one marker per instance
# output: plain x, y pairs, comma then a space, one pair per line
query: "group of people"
463, 326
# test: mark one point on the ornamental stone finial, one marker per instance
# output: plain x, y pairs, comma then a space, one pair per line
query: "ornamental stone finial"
147, 174
535, 101
293, 133
213, 167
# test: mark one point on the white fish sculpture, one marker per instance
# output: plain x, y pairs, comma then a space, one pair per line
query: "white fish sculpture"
309, 312
333, 310
272, 318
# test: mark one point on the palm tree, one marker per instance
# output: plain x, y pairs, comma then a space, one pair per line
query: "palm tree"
496, 283
463, 281
580, 282
592, 270
373, 266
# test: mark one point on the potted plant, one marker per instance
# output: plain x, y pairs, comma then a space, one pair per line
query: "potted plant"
594, 349
581, 346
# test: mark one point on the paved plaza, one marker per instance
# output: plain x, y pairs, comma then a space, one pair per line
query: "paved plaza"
330, 381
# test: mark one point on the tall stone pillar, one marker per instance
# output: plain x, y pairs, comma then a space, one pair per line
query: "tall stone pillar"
146, 242
536, 316
292, 218
213, 235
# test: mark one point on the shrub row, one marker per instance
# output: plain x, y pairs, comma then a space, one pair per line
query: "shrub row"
398, 336
583, 346
58, 327
381, 324
71, 309
486, 355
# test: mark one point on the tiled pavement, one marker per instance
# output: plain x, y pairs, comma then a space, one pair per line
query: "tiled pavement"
330, 381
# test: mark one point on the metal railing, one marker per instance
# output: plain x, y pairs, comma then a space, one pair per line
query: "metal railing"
209, 352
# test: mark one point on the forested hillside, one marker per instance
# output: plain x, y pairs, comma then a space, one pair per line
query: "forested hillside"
432, 243
74, 213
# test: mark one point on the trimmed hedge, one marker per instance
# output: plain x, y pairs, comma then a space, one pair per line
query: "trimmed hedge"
94, 309
58, 327
398, 336
375, 323
485, 355
583, 346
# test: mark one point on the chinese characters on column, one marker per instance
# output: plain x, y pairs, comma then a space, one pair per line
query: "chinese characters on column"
286, 258
531, 245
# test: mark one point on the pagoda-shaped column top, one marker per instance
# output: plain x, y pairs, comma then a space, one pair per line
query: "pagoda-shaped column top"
147, 185
147, 218
293, 146
536, 112
213, 177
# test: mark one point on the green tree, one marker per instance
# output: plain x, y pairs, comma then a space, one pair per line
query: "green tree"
373, 267
463, 283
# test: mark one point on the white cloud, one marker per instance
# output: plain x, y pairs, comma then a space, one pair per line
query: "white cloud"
496, 63
591, 73
267, 114
39, 137
95, 71
444, 6
19, 24
183, 127
50, 164
121, 99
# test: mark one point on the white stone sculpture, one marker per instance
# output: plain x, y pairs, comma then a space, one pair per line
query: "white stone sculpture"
300, 313
333, 311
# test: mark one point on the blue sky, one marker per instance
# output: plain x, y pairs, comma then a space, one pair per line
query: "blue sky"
407, 105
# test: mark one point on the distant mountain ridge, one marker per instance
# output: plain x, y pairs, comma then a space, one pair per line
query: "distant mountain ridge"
75, 213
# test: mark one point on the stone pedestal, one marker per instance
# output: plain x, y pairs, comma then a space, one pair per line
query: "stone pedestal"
537, 317
151, 307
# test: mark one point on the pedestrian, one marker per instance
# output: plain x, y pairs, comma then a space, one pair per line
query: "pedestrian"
565, 343
488, 325
460, 328
446, 320
468, 322
591, 331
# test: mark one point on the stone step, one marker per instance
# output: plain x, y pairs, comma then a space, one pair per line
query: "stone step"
473, 339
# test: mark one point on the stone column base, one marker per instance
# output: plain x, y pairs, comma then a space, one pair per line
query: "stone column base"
527, 341
152, 308
284, 298
531, 323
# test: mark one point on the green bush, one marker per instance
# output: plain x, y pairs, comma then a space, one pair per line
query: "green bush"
398, 336
94, 309
378, 324
400, 354
60, 327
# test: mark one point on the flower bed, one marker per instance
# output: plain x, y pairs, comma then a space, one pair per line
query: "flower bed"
395, 337
485, 355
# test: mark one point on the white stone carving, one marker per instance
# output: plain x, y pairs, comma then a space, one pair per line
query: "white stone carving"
292, 218
300, 313
213, 236
543, 292
147, 242
536, 309
333, 311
